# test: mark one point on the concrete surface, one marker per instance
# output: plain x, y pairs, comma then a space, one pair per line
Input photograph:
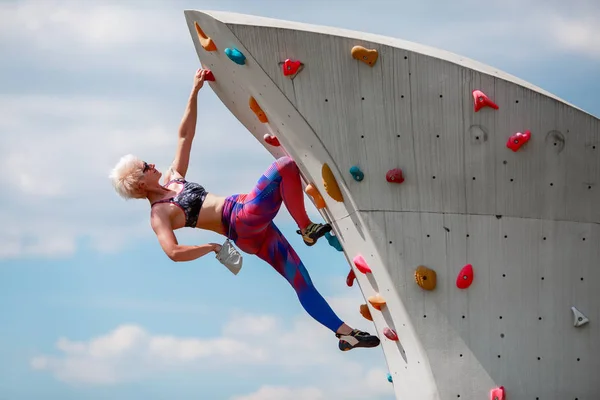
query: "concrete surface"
527, 221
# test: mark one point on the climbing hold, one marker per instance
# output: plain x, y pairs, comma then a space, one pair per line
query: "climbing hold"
331, 186
394, 176
272, 140
425, 277
377, 301
361, 264
350, 278
209, 76
262, 117
481, 100
291, 68
313, 192
368, 56
356, 173
517, 140
579, 318
465, 277
390, 334
365, 312
333, 241
389, 378
497, 394
205, 41
236, 56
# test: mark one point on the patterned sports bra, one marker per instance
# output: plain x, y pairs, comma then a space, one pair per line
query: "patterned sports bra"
189, 199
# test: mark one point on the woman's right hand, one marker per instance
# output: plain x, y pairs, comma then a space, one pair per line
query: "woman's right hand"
216, 247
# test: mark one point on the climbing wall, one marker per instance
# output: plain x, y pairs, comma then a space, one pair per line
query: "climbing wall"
465, 200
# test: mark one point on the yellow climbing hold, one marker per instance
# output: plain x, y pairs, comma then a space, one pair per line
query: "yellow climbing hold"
313, 192
368, 56
377, 301
262, 117
425, 277
331, 186
206, 42
365, 312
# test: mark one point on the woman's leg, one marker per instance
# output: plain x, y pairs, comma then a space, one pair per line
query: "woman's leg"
280, 183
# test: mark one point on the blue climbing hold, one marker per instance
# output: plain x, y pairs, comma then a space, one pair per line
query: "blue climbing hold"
334, 242
357, 174
389, 378
236, 56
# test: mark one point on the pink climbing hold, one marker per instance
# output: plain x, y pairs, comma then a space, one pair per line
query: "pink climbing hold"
361, 264
517, 140
465, 277
350, 278
272, 140
390, 334
482, 100
498, 394
394, 176
291, 67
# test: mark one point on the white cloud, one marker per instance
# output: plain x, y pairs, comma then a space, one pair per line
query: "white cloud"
255, 347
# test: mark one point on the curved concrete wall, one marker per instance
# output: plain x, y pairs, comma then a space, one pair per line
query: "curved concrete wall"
527, 221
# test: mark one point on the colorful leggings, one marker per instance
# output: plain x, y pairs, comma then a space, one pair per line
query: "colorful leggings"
248, 220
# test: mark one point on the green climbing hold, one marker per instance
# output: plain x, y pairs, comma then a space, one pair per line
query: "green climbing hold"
356, 173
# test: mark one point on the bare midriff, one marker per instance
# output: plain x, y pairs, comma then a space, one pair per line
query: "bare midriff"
211, 213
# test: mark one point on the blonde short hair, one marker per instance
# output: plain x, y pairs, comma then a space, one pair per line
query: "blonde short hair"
125, 175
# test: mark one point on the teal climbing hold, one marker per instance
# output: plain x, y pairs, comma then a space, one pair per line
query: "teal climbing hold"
389, 378
236, 56
333, 241
357, 174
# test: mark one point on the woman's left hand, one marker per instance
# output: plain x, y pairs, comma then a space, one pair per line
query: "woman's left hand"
199, 78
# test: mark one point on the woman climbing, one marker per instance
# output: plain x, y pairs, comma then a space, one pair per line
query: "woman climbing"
246, 219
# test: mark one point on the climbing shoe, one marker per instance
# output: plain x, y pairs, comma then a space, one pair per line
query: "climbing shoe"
355, 339
314, 232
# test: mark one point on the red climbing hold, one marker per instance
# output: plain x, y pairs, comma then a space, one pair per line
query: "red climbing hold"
481, 100
394, 176
272, 140
497, 393
291, 67
517, 140
350, 278
390, 334
209, 76
361, 264
465, 277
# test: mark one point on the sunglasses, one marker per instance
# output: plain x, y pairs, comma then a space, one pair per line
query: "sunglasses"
146, 167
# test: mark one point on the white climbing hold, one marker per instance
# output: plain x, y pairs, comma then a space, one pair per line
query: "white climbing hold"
580, 319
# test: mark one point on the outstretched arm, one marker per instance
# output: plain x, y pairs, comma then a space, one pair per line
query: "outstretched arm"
187, 129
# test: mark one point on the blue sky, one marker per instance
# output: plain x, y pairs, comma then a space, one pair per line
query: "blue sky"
90, 306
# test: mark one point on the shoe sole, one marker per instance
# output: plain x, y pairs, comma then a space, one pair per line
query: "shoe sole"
365, 343
326, 228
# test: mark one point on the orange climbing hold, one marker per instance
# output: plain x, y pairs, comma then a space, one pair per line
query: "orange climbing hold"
262, 117
272, 140
368, 56
481, 100
425, 277
361, 264
498, 394
465, 277
365, 312
377, 301
313, 192
205, 41
331, 186
390, 334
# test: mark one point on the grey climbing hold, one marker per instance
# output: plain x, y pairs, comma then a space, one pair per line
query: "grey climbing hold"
579, 318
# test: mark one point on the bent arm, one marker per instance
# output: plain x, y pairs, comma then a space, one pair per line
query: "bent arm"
168, 242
